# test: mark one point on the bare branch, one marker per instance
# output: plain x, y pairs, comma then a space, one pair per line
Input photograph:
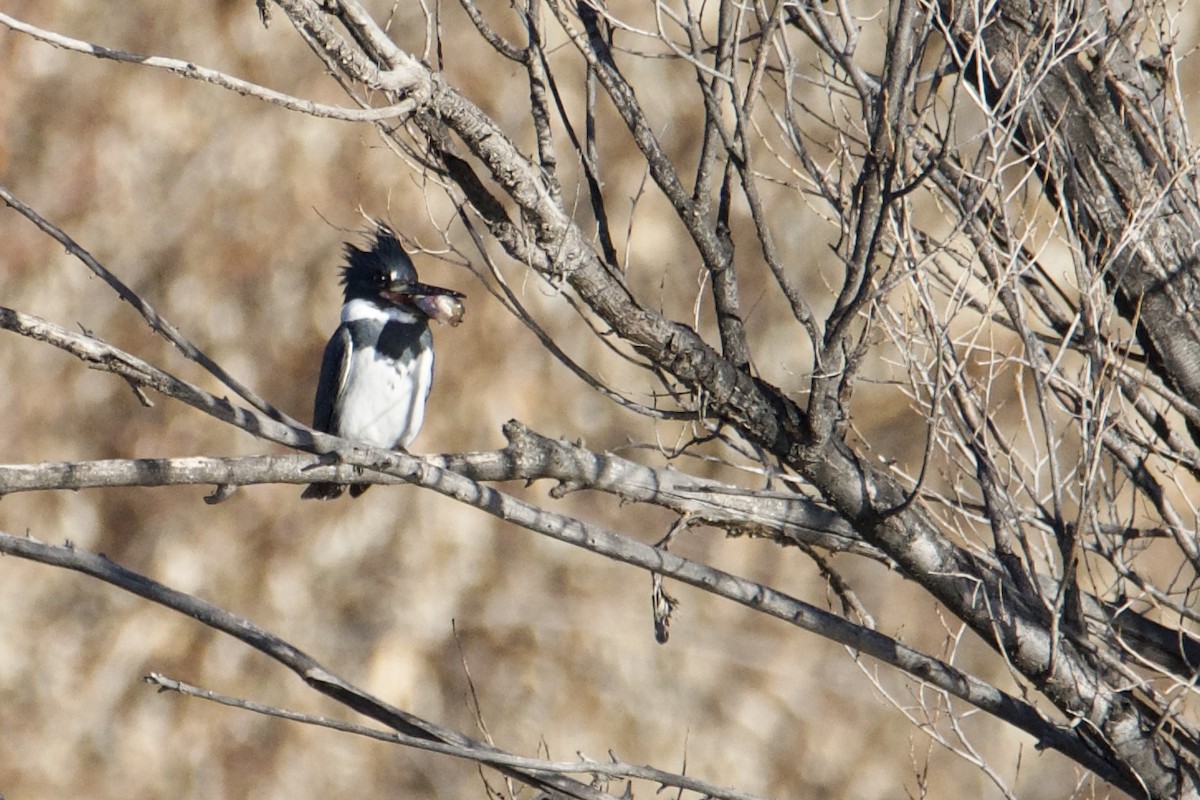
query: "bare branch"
303, 665
196, 72
571, 531
484, 755
528, 457
157, 322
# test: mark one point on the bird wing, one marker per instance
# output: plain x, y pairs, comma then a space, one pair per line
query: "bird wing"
335, 369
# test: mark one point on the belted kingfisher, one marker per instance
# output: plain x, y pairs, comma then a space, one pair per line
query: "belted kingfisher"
378, 367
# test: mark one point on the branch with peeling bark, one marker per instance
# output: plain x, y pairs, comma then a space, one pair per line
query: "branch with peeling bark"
529, 456
596, 539
1051, 632
992, 601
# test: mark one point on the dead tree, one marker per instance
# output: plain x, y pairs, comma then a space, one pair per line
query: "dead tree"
1009, 205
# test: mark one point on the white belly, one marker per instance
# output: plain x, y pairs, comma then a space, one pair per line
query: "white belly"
383, 403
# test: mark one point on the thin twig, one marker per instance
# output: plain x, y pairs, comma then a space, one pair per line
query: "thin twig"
287, 654
157, 322
196, 72
480, 752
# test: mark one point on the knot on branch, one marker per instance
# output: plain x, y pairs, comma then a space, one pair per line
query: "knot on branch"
535, 456
220, 493
409, 79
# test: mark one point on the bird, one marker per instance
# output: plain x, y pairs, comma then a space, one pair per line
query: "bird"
377, 369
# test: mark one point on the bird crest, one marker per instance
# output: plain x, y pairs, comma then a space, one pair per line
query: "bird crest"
383, 261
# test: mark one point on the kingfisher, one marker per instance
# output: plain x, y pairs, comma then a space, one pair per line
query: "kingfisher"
378, 366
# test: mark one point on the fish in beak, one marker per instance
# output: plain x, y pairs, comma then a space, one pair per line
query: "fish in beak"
443, 306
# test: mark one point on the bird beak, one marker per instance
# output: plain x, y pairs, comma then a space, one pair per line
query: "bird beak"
441, 305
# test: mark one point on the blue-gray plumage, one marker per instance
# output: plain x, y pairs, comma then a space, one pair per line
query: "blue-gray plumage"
378, 366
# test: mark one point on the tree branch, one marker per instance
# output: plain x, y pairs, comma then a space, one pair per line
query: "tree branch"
299, 662
528, 457
196, 72
491, 757
580, 534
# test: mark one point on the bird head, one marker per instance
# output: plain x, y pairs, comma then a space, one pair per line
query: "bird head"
385, 275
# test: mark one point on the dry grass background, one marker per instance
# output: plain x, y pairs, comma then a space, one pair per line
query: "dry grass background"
211, 206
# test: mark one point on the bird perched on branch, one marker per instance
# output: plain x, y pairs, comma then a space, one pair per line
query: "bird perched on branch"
378, 366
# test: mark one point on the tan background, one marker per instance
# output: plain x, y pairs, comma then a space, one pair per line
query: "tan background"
211, 206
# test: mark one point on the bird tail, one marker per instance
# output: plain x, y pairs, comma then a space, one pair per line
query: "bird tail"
325, 491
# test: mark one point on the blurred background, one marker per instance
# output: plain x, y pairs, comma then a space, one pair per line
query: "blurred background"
228, 215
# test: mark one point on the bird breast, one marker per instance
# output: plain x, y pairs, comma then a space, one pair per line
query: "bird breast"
384, 398
387, 377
